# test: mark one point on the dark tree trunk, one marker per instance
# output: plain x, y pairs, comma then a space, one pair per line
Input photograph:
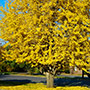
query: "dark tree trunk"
50, 80
82, 73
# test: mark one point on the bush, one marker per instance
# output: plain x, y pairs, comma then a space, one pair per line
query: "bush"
6, 73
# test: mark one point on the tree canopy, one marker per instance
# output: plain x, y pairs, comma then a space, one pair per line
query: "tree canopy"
31, 29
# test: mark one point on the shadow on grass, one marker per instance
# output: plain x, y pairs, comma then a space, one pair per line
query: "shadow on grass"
14, 82
77, 81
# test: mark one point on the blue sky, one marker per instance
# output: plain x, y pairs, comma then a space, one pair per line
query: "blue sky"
2, 3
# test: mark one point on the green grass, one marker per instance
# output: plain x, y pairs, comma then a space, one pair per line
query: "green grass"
10, 85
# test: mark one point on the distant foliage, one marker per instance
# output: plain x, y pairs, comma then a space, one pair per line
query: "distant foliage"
2, 58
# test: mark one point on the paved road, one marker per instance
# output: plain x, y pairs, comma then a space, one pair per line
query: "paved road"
23, 78
59, 82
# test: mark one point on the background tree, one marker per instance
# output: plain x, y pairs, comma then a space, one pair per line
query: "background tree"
31, 29
2, 58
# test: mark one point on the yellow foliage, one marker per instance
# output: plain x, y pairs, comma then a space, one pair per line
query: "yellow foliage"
40, 86
31, 29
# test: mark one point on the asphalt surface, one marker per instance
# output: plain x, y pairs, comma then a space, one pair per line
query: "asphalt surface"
74, 81
22, 78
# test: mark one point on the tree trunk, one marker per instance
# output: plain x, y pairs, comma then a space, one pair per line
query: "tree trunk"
71, 70
82, 73
50, 80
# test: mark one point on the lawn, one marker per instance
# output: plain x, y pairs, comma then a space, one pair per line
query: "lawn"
11, 85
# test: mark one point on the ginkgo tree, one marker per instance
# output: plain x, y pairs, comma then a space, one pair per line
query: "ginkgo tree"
34, 36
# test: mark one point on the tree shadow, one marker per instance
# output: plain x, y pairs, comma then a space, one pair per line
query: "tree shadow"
14, 82
77, 81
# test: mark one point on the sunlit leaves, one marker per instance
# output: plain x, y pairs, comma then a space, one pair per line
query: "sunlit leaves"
31, 29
